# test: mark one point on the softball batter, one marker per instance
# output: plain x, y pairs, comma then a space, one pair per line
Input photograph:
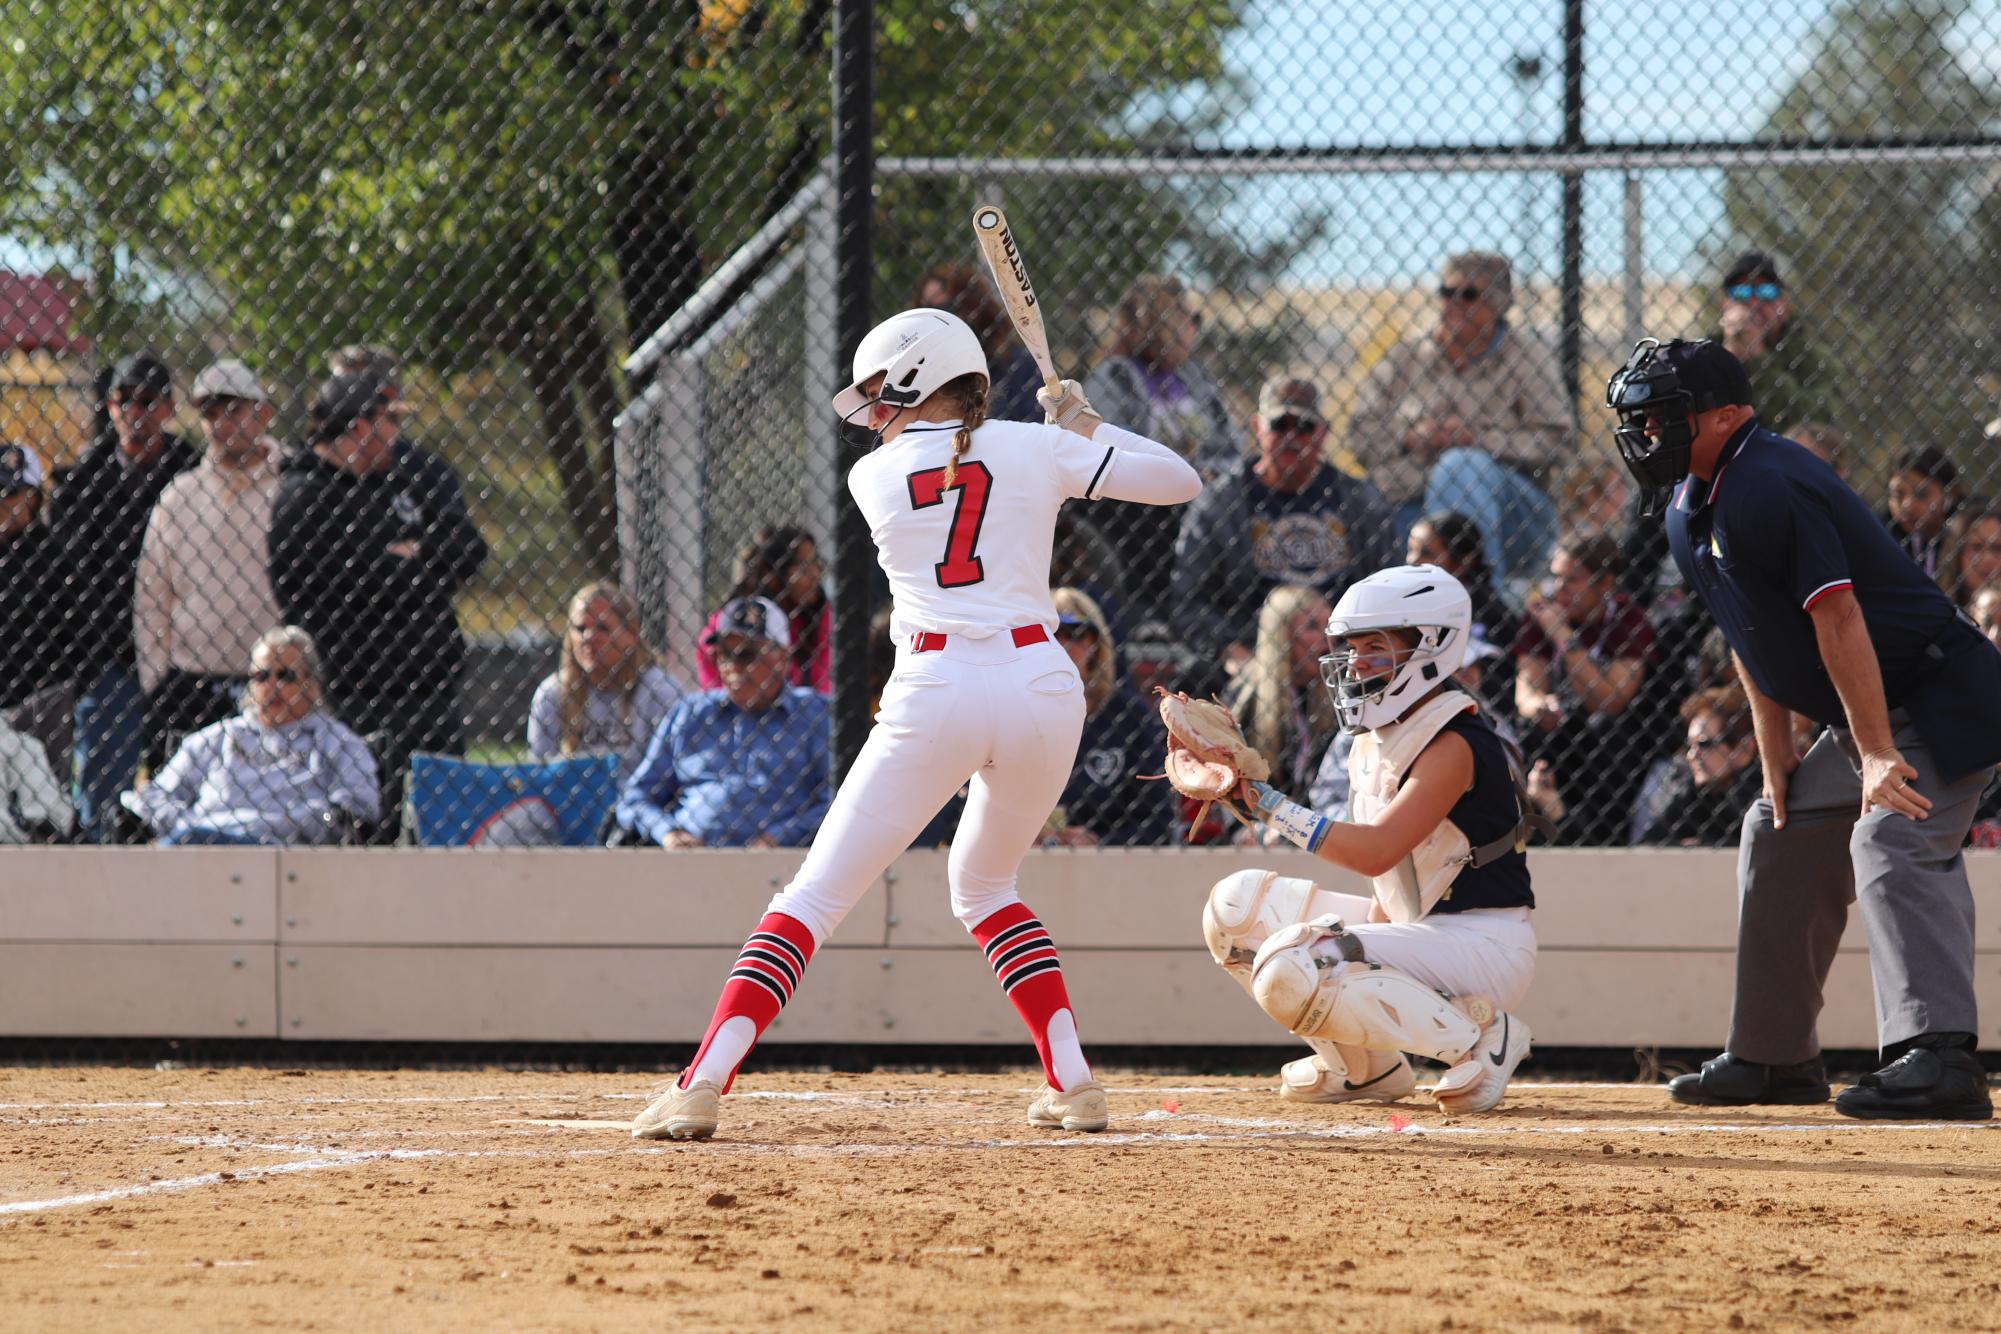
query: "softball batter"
963, 514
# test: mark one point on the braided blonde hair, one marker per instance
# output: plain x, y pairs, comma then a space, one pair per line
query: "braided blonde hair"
969, 392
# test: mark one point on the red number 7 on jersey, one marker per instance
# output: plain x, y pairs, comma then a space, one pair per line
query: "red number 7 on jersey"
927, 488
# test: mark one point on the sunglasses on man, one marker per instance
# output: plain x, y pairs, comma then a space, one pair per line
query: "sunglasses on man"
1291, 425
283, 675
1754, 291
1468, 294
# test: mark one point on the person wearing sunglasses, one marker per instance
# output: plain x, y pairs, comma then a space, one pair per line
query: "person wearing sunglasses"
748, 764
203, 592
1284, 516
1759, 325
1470, 416
282, 772
98, 510
1698, 799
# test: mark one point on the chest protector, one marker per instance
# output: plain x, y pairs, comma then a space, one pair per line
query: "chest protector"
1376, 768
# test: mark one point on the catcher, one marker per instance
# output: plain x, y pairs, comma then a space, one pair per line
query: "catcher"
1434, 962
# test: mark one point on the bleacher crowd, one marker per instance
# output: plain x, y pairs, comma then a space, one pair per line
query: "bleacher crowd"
258, 642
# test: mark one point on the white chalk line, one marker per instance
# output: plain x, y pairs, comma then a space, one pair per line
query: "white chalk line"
1246, 1130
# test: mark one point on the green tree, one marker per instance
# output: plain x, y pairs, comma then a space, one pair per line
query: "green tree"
541, 180
1892, 265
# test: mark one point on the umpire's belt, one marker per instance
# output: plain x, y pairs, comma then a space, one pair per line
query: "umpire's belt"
927, 641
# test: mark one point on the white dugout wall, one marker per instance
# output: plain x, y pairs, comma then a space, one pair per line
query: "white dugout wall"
593, 946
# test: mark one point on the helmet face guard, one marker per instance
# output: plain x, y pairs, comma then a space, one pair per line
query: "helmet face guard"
1656, 430
1428, 618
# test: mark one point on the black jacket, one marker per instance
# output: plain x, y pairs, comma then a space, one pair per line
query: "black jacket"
98, 511
37, 602
385, 624
1705, 817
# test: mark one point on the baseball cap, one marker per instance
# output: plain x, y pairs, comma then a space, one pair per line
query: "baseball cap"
142, 370
1749, 266
229, 378
751, 618
1711, 372
342, 401
1290, 396
20, 469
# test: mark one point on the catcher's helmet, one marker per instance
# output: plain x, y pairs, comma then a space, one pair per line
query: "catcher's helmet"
916, 352
1656, 395
1370, 692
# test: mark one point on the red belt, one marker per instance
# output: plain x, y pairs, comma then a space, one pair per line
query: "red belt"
926, 641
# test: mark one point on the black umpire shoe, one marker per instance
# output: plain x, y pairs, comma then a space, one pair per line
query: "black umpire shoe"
1937, 1079
1730, 1081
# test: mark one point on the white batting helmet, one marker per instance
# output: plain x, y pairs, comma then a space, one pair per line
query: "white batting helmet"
916, 352
1422, 598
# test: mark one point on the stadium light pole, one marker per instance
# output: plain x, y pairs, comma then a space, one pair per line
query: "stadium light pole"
854, 185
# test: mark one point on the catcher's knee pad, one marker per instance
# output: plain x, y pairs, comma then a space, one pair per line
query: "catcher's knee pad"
1304, 978
1246, 907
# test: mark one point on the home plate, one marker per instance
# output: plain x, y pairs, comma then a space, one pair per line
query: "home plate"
571, 1125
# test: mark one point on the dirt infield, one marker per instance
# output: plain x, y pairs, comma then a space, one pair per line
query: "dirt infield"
423, 1200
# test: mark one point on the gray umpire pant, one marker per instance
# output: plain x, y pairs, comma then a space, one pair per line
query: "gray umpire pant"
1796, 884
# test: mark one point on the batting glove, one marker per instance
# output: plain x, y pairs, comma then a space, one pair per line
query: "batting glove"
1064, 407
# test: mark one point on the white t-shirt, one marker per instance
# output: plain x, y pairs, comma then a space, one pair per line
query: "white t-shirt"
975, 560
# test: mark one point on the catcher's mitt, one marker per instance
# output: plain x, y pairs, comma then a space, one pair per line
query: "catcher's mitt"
1207, 756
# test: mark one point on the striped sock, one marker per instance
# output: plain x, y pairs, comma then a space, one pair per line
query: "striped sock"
1024, 959
767, 972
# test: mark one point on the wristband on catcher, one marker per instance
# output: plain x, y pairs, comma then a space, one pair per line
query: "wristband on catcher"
1299, 825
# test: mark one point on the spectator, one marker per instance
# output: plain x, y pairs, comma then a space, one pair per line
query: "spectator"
1582, 655
1284, 516
1083, 558
34, 808
1469, 418
1105, 804
1760, 326
1824, 443
782, 564
1985, 608
1925, 494
203, 592
1147, 380
1700, 799
1453, 543
748, 765
609, 693
279, 773
965, 292
34, 613
370, 545
99, 512
1973, 553
1279, 698
1596, 498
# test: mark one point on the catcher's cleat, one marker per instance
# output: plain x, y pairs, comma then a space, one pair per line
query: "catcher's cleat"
680, 1113
1309, 1080
1478, 1083
1080, 1108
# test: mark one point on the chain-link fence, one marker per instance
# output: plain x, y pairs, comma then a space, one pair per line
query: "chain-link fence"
491, 346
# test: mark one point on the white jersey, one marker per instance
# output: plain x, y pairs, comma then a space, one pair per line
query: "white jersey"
975, 560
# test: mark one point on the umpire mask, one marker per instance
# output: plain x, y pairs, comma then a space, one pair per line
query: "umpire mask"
1656, 421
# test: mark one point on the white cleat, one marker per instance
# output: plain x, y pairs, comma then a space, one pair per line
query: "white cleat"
680, 1113
1080, 1108
1477, 1083
1308, 1079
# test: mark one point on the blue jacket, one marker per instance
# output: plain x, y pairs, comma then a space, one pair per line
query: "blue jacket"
727, 776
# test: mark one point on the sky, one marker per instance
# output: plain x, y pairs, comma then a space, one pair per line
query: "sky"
1423, 72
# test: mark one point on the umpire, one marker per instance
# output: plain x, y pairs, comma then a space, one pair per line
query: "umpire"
1827, 617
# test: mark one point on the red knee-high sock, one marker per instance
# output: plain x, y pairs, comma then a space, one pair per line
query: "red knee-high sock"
1024, 959
766, 973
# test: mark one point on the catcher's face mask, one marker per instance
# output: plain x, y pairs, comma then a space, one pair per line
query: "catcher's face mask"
1656, 422
1370, 675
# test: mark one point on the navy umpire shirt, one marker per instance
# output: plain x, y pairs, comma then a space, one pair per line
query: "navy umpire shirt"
1775, 531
